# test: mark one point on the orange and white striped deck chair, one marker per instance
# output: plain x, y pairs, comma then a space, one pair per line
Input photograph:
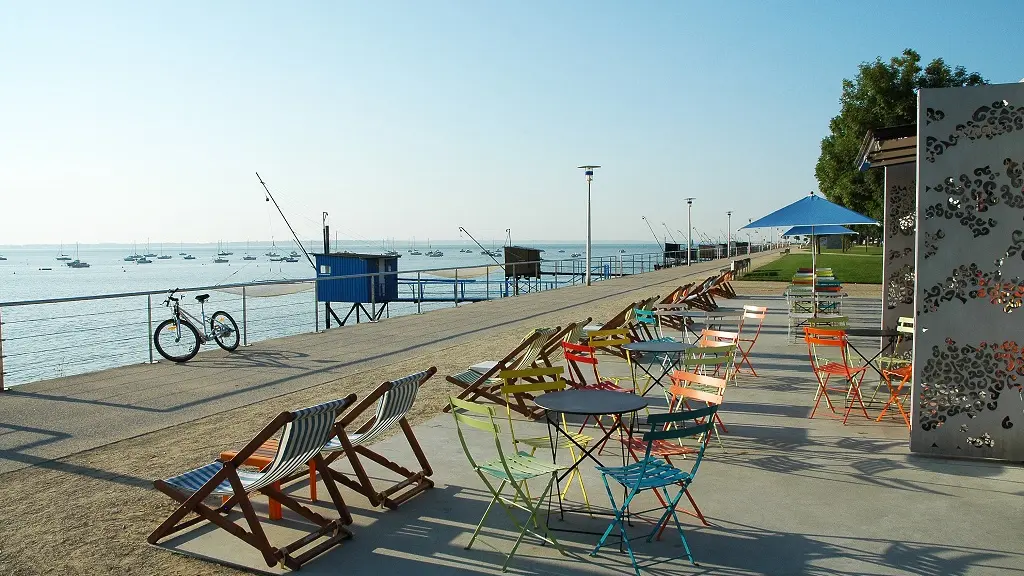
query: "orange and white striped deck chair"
745, 342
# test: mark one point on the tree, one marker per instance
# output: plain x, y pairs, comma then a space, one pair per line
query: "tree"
882, 94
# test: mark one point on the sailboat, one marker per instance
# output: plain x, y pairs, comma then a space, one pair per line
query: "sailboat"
149, 251
76, 263
247, 256
163, 256
181, 246
61, 255
273, 250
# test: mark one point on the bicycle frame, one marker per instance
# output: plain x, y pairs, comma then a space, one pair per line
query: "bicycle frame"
200, 324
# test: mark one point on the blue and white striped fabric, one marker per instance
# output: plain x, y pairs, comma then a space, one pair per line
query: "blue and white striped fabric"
392, 407
300, 441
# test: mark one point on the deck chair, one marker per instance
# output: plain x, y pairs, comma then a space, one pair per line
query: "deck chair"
745, 342
550, 381
551, 353
394, 400
485, 383
651, 473
617, 321
302, 434
721, 286
829, 356
513, 471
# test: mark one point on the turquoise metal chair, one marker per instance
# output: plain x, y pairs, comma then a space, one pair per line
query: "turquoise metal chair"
647, 322
650, 473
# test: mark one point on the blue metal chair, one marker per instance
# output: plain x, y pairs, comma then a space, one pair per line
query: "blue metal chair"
651, 473
648, 323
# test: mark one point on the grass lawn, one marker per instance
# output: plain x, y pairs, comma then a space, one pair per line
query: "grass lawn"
851, 268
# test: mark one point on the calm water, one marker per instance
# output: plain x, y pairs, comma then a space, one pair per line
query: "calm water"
55, 340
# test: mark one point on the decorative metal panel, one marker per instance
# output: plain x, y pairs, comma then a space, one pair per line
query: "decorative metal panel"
969, 337
898, 246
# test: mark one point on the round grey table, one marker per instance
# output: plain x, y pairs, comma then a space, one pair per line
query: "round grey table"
656, 347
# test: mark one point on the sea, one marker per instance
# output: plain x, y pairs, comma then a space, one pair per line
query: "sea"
45, 341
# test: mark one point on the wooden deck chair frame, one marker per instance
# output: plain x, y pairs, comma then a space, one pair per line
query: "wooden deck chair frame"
552, 350
824, 369
721, 286
512, 471
746, 343
222, 478
487, 385
394, 400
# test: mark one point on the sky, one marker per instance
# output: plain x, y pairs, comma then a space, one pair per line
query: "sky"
128, 121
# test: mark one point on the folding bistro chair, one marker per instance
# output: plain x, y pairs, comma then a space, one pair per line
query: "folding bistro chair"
394, 401
481, 381
898, 394
513, 470
746, 344
302, 434
819, 343
650, 473
555, 384
649, 326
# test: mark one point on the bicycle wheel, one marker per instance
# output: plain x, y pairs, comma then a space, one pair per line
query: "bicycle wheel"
178, 341
224, 330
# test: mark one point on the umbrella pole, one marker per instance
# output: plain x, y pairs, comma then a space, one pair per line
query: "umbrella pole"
814, 272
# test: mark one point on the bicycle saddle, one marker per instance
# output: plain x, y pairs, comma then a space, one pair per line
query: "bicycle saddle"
202, 298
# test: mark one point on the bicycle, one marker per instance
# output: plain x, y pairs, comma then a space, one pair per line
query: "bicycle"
178, 339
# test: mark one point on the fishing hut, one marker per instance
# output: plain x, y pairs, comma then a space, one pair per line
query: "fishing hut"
522, 265
375, 283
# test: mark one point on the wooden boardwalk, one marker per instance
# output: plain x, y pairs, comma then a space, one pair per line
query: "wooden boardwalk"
47, 420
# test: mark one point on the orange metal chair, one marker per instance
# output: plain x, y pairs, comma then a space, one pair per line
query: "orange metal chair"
896, 394
745, 345
819, 343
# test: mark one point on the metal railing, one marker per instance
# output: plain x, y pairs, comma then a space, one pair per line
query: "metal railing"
57, 337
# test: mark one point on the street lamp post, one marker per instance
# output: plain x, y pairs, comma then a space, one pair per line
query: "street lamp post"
728, 241
749, 220
588, 171
689, 230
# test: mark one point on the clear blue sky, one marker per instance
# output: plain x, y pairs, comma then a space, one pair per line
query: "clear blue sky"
130, 120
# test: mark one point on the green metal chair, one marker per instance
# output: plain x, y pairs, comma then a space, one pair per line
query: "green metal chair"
522, 381
513, 471
651, 473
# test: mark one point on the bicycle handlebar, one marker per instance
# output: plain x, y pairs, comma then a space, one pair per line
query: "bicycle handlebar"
170, 297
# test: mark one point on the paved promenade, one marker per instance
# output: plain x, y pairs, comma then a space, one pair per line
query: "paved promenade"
52, 419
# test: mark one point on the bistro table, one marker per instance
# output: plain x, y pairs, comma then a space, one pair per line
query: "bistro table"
664, 348
585, 403
890, 334
704, 318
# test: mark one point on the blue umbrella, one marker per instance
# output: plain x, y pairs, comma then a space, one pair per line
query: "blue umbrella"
812, 211
827, 230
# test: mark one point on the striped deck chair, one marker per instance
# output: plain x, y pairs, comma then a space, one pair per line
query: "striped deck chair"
483, 382
394, 401
302, 434
620, 320
721, 286
552, 350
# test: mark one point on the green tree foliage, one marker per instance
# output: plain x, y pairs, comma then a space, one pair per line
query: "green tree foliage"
882, 94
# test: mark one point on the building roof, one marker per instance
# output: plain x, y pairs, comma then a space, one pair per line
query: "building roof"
888, 146
356, 255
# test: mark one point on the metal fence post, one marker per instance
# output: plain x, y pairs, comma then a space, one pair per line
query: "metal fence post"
1, 353
456, 287
316, 307
245, 329
373, 298
419, 294
149, 323
487, 294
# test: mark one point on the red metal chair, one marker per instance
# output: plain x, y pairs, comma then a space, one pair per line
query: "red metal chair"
746, 344
577, 354
820, 343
